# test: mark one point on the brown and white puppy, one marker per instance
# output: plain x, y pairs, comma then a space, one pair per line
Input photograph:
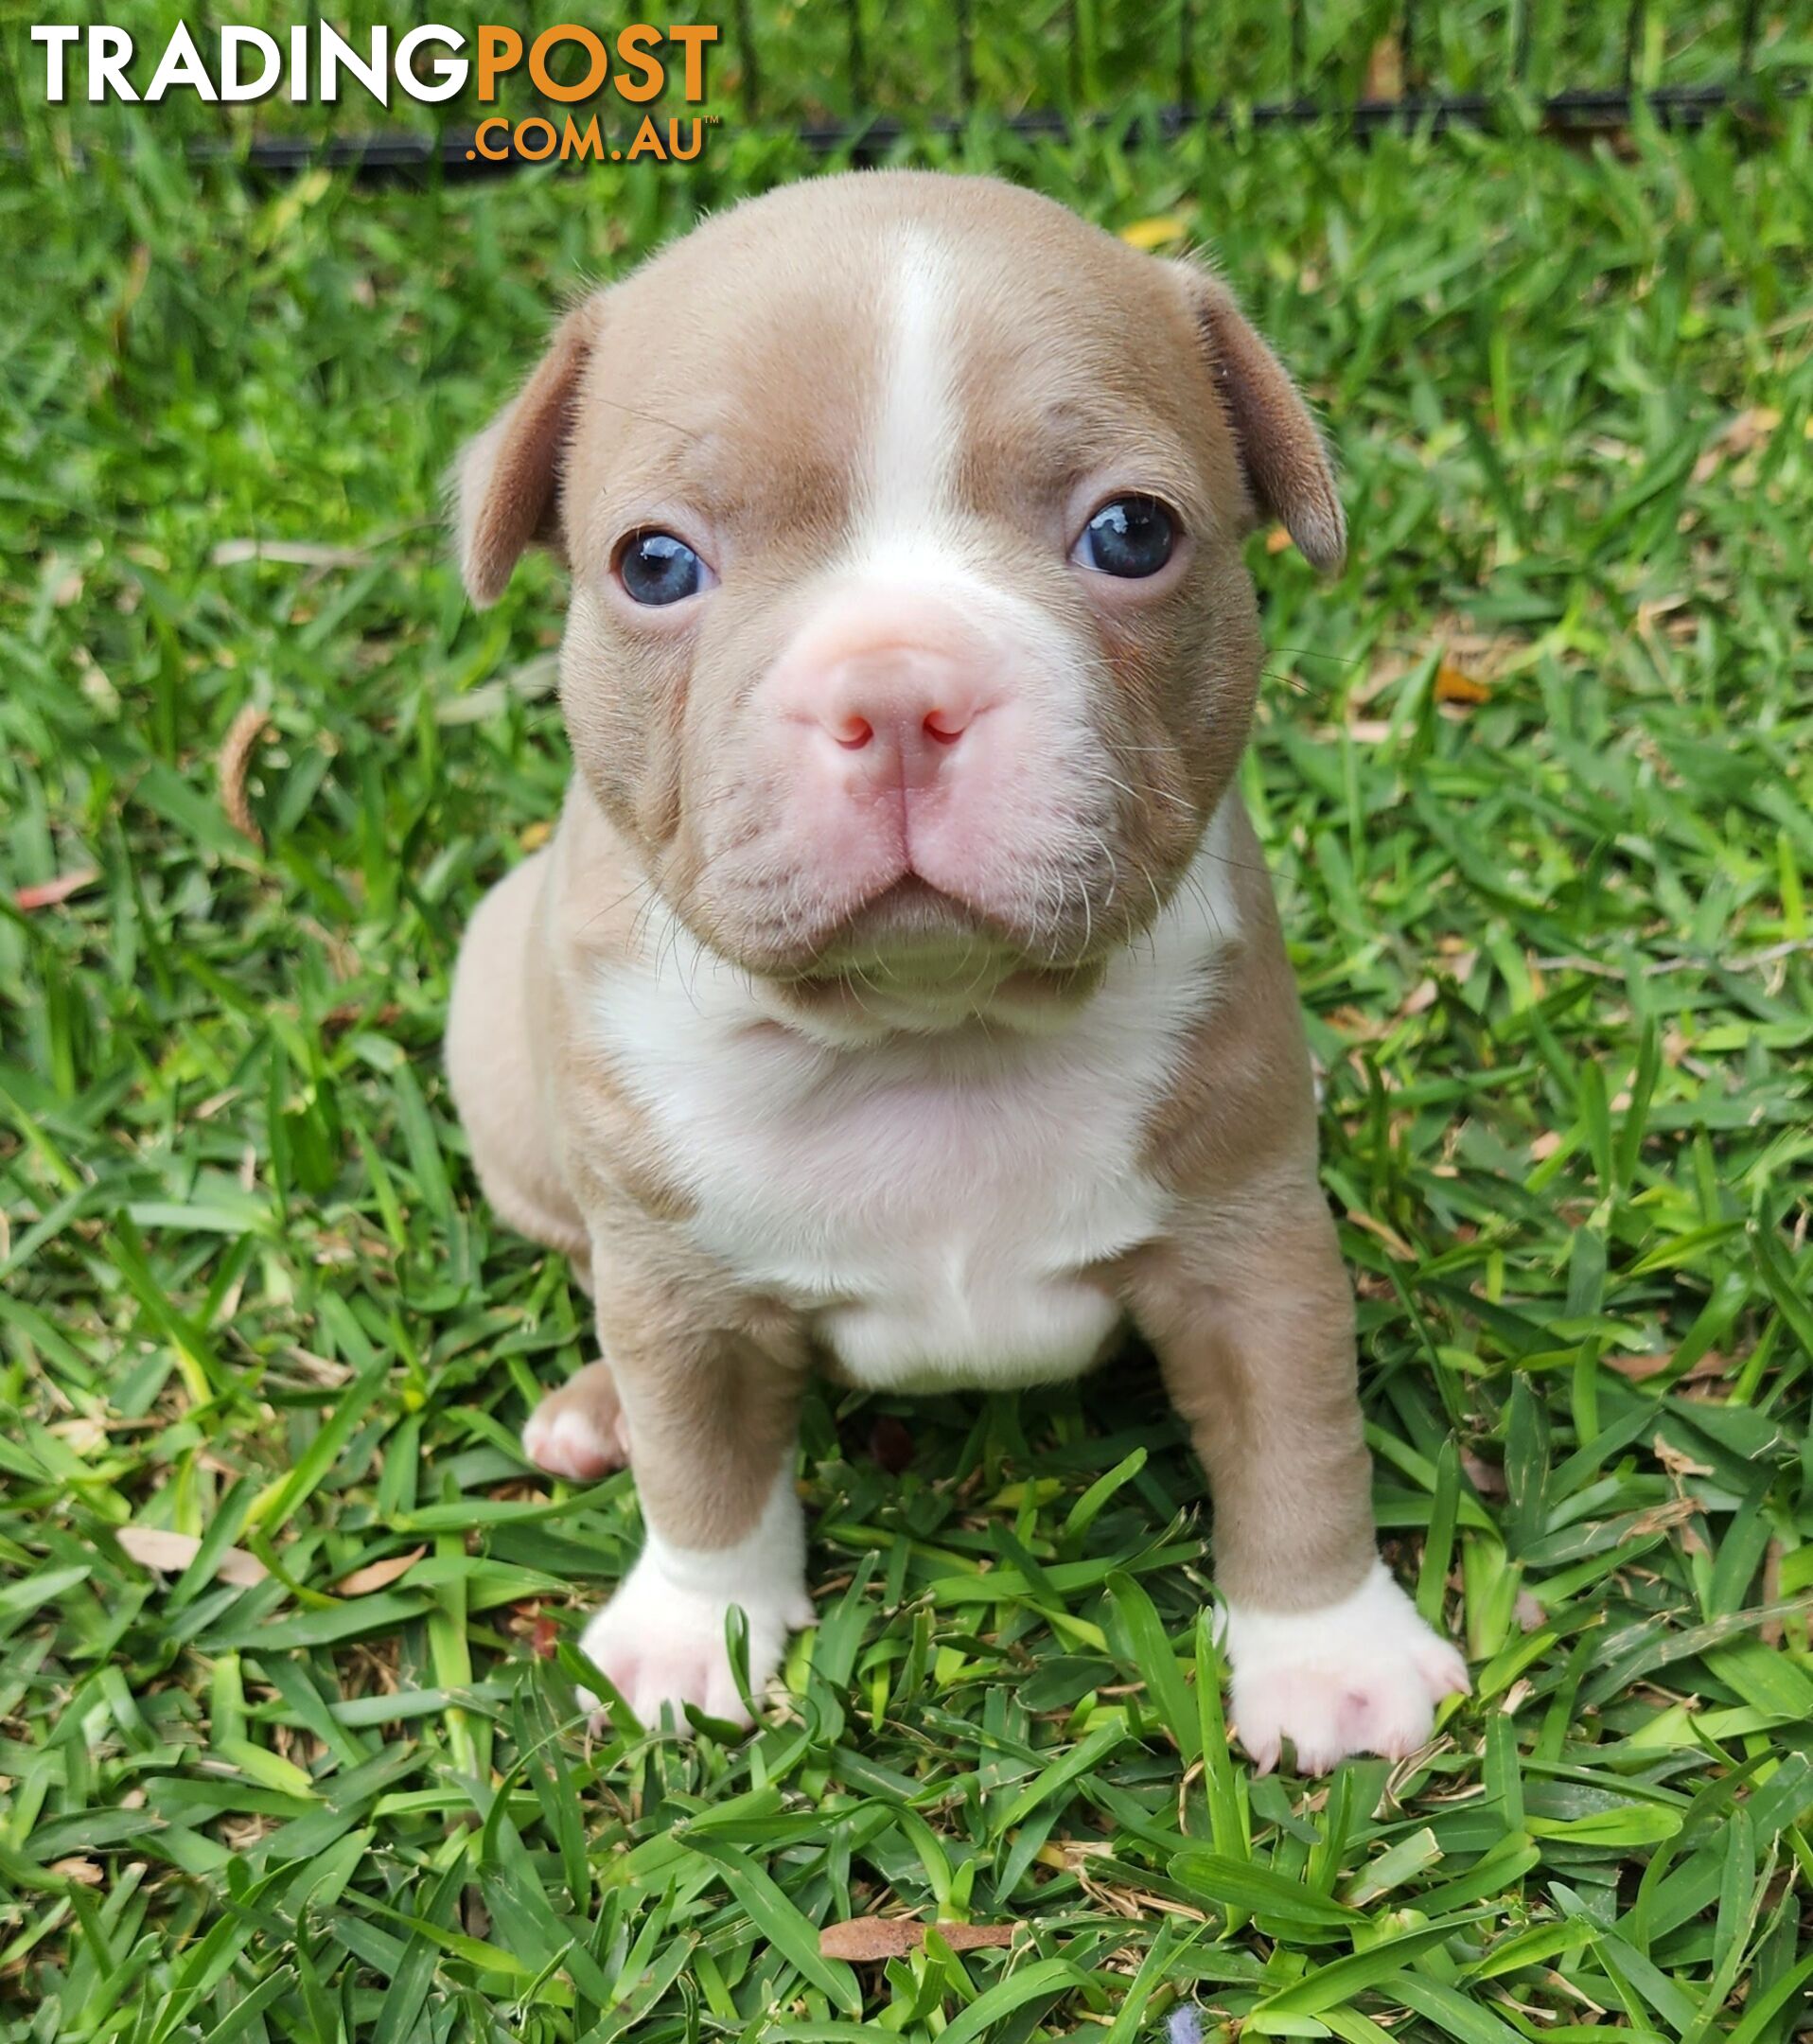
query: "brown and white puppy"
902, 993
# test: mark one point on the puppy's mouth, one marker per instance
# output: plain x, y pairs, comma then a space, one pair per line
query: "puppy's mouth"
930, 956
915, 957
912, 930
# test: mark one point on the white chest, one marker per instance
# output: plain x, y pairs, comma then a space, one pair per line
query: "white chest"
932, 1213
934, 1204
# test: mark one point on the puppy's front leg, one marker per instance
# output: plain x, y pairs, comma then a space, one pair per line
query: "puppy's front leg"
713, 1424
1254, 1331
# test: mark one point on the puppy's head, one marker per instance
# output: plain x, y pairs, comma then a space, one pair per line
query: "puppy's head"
910, 642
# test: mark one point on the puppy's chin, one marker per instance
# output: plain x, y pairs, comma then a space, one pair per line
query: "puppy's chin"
851, 1008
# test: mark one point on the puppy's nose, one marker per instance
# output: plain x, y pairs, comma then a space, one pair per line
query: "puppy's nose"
897, 710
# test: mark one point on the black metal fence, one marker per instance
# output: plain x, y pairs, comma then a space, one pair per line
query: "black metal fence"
1401, 47
863, 78
858, 77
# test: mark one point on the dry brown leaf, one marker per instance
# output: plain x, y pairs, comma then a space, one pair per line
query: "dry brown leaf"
84, 1433
1067, 1855
322, 1369
1748, 429
1455, 685
1665, 1518
893, 1937
153, 1547
891, 1443
236, 756
49, 894
1639, 1367
1771, 1631
1356, 1025
1277, 539
1546, 1144
1384, 70
86, 1871
386, 1015
378, 1574
1487, 1478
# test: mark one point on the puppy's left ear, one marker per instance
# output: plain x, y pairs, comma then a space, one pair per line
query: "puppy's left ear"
506, 487
1288, 470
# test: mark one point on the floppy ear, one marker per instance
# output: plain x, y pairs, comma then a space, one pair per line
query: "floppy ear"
1287, 466
507, 483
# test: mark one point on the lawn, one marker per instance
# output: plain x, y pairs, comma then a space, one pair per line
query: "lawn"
1534, 779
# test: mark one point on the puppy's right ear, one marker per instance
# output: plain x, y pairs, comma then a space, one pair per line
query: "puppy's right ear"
507, 483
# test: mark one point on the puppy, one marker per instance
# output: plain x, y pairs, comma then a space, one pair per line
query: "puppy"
902, 992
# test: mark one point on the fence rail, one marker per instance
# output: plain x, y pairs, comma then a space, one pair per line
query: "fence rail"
1194, 87
452, 156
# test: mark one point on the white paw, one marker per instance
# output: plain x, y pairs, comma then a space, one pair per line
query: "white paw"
662, 1644
660, 1639
1362, 1676
566, 1440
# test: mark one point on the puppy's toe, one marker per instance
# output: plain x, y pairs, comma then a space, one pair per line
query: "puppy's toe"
579, 1431
1442, 1667
663, 1646
668, 1680
568, 1442
1361, 1676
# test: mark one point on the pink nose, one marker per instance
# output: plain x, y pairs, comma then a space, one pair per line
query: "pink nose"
898, 709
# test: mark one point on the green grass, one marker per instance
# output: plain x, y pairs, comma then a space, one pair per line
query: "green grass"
1556, 948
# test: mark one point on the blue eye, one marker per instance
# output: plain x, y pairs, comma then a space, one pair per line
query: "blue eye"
1131, 537
655, 567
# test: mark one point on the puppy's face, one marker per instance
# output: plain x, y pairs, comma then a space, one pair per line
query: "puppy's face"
909, 640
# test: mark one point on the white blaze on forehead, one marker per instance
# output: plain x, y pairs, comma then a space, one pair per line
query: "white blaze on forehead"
912, 541
912, 453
